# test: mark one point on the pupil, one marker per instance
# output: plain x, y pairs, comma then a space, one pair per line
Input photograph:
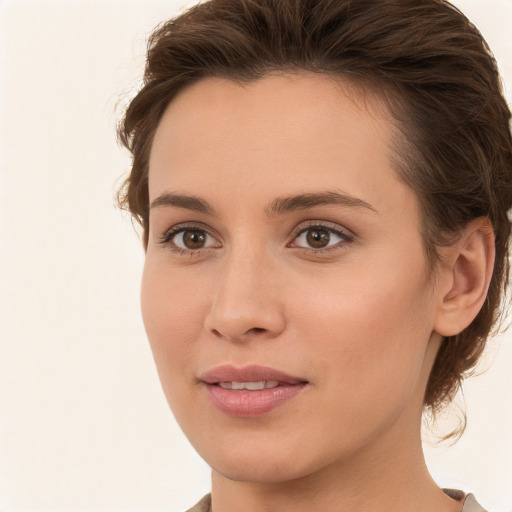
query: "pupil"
193, 239
318, 238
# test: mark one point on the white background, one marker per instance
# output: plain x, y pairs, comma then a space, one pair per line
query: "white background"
84, 425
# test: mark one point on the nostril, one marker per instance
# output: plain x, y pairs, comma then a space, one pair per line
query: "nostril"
256, 330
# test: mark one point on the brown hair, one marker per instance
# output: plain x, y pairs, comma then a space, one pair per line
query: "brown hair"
428, 61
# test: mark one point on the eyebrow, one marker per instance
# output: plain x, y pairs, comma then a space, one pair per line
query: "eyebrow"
183, 201
278, 206
283, 205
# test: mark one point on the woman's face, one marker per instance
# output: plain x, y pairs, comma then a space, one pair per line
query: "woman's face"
285, 258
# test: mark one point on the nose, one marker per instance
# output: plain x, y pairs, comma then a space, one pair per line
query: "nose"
246, 302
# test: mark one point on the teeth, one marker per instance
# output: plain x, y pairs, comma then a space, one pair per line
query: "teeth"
254, 386
251, 386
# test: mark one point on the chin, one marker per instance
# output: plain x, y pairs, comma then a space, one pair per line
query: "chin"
267, 472
264, 465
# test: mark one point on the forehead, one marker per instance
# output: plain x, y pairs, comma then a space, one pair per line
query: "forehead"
292, 132
275, 102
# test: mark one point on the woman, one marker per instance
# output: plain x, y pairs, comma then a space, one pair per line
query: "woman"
323, 189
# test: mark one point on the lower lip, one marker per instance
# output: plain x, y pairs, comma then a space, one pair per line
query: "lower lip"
248, 404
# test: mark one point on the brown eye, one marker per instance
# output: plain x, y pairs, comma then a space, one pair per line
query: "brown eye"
318, 238
193, 239
190, 239
321, 237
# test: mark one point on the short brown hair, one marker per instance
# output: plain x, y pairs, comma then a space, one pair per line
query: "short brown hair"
431, 65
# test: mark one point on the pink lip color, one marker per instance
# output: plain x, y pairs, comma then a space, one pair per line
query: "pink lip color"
248, 404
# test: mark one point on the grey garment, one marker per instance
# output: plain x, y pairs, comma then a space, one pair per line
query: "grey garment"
203, 506
470, 503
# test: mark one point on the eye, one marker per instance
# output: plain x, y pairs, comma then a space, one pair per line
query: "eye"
189, 239
318, 237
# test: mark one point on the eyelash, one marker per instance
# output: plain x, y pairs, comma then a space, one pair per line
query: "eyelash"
168, 237
346, 237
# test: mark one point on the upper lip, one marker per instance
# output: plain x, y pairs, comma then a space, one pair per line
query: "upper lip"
253, 373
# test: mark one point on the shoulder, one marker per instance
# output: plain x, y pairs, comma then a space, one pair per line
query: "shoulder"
469, 501
205, 504
471, 505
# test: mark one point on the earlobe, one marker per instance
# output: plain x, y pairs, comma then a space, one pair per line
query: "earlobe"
467, 275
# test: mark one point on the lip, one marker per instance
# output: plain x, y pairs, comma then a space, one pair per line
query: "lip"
251, 373
246, 403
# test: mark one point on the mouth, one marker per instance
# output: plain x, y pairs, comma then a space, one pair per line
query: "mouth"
250, 391
250, 386
249, 375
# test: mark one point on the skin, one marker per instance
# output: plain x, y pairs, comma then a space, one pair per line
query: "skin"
360, 320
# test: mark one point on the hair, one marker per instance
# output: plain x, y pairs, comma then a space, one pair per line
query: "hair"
423, 57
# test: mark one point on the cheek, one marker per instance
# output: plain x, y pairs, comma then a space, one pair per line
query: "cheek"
368, 330
173, 314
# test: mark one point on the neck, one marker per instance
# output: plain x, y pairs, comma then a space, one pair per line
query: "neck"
381, 479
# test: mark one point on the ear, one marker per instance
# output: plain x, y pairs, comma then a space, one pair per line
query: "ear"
465, 277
